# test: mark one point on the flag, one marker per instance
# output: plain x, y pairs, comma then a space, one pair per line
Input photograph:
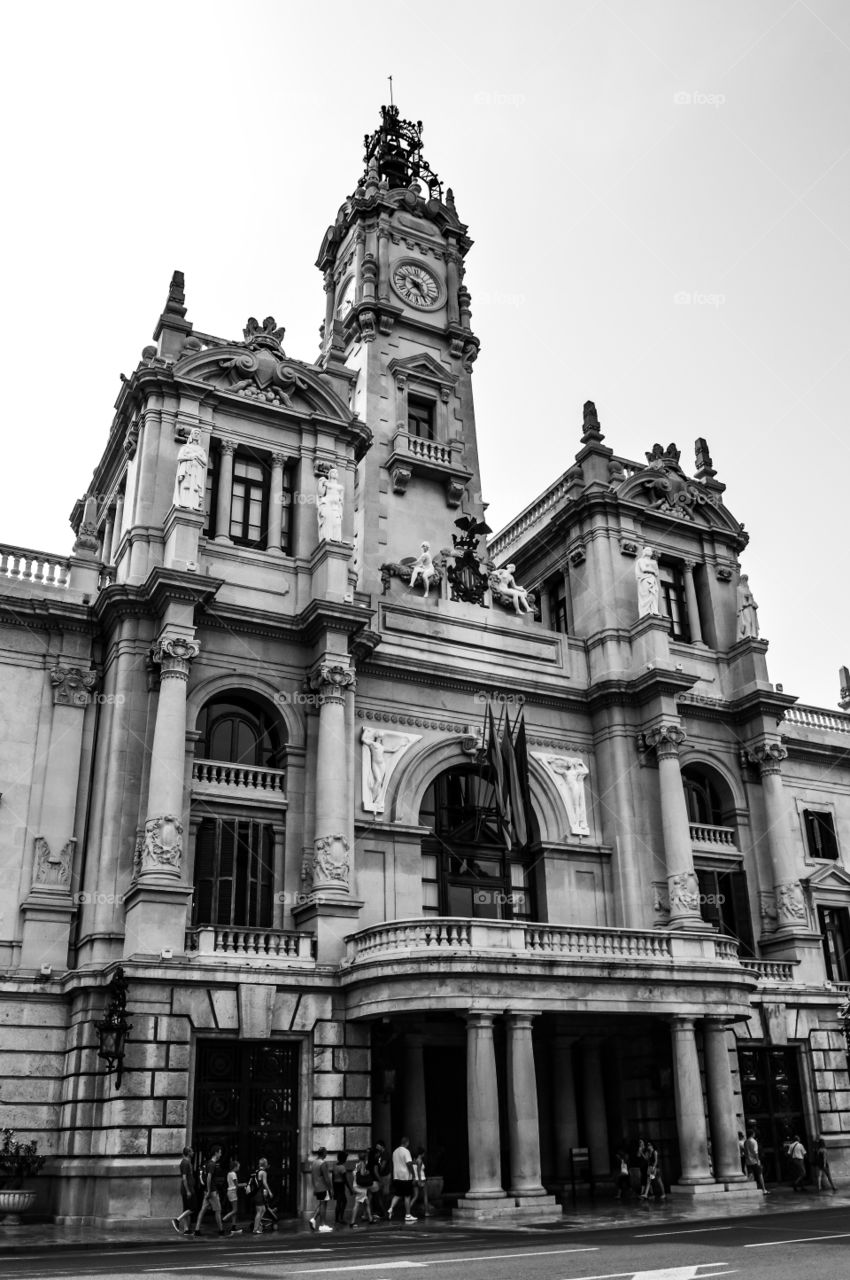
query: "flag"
521, 753
513, 785
497, 772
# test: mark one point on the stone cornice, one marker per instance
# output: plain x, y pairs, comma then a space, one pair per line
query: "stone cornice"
60, 614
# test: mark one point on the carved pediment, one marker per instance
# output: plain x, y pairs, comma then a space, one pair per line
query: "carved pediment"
664, 487
422, 368
832, 879
259, 370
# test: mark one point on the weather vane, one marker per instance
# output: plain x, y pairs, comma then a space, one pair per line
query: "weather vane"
391, 89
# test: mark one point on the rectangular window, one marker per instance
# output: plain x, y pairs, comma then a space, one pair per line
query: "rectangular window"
234, 873
724, 903
420, 418
430, 885
835, 929
820, 834
249, 502
556, 593
673, 602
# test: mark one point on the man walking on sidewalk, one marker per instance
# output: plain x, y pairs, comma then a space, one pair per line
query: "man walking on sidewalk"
402, 1184
323, 1186
187, 1193
753, 1159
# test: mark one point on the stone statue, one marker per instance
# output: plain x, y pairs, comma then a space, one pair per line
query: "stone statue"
423, 567
191, 481
329, 504
507, 590
378, 745
573, 772
683, 890
748, 623
646, 574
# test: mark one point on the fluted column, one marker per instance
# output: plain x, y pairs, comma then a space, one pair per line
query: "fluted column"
332, 871
160, 851
564, 1104
330, 304
415, 1115
452, 286
108, 534
383, 263
595, 1111
523, 1120
276, 503
682, 884
721, 1102
224, 494
692, 603
690, 1108
119, 522
791, 911
482, 1103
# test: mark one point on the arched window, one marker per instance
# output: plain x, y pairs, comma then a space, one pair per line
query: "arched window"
239, 729
466, 869
724, 900
702, 798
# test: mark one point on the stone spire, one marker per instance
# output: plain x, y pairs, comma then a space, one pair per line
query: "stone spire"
393, 153
591, 431
173, 327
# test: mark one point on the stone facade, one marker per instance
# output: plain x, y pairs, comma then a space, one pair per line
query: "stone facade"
244, 759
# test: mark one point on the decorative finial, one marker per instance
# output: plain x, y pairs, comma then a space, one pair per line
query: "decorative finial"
844, 679
659, 455
591, 429
705, 469
175, 303
266, 335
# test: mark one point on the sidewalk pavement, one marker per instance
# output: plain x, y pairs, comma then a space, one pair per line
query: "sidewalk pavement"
586, 1216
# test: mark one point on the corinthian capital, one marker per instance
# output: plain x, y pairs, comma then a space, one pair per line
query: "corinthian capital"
664, 739
767, 755
331, 681
174, 653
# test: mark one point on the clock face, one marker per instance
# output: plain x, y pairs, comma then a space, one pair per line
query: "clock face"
345, 299
416, 285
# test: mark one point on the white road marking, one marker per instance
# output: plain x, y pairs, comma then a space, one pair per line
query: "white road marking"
767, 1244
691, 1231
442, 1262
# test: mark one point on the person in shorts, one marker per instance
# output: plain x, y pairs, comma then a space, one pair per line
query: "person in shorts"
403, 1181
261, 1198
188, 1193
753, 1159
362, 1186
211, 1197
233, 1187
323, 1186
821, 1164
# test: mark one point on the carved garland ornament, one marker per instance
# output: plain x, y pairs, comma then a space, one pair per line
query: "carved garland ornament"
52, 870
72, 687
331, 862
160, 849
332, 681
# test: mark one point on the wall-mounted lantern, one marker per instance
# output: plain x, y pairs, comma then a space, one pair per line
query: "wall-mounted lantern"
113, 1028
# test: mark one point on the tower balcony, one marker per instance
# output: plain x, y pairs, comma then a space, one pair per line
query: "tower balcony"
713, 839
437, 963
432, 459
238, 784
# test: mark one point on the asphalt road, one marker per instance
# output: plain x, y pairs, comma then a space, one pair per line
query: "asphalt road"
790, 1246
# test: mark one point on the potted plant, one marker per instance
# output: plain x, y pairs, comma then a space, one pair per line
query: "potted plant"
18, 1160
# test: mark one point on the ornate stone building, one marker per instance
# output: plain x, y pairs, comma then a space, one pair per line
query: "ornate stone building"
243, 756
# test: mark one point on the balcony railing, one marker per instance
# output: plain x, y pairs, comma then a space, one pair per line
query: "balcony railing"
772, 970
251, 944
237, 782
818, 718
702, 833
447, 936
37, 568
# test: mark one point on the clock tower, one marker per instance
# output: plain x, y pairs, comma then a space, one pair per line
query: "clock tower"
397, 322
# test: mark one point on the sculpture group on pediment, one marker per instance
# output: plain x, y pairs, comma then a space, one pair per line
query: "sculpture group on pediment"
191, 479
670, 491
330, 498
426, 569
507, 592
648, 582
748, 623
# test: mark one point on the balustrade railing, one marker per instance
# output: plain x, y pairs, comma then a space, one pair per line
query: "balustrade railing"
526, 519
429, 450
718, 837
257, 943
217, 775
19, 564
619, 943
772, 970
818, 718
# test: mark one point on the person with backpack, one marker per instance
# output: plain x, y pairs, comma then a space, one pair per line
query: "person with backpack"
259, 1194
363, 1181
379, 1166
211, 1197
797, 1156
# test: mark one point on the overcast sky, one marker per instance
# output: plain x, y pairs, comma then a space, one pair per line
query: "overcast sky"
611, 158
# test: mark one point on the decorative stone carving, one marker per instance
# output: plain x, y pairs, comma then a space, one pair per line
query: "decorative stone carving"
159, 851
331, 862
468, 568
332, 681
382, 751
173, 653
52, 870
748, 623
628, 548
844, 689
330, 497
767, 909
704, 465
401, 477
260, 373
72, 687
591, 430
660, 897
767, 755
507, 592
454, 491
663, 739
670, 490
423, 568
723, 573
191, 479
569, 774
683, 893
790, 903
647, 578
578, 555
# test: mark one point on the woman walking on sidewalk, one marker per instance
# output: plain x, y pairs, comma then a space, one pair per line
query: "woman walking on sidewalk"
821, 1163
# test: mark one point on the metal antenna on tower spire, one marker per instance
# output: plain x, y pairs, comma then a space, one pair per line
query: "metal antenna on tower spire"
391, 89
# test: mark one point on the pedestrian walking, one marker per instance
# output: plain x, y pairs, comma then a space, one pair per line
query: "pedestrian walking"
380, 1167
188, 1194
402, 1183
420, 1183
322, 1178
654, 1183
259, 1194
643, 1167
624, 1182
821, 1163
797, 1156
741, 1141
363, 1181
233, 1189
753, 1159
211, 1197
341, 1184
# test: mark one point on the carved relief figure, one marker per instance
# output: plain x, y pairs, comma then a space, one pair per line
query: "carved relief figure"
378, 744
52, 868
647, 577
329, 505
507, 591
684, 893
573, 771
748, 623
790, 904
330, 861
190, 482
160, 849
423, 567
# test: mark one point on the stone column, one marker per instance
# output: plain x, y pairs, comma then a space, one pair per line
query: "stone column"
156, 905
693, 606
330, 301
108, 534
276, 504
383, 263
682, 884
332, 871
415, 1114
523, 1121
482, 1103
721, 1103
119, 522
359, 255
690, 1108
791, 911
224, 494
452, 286
564, 1100
593, 1105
